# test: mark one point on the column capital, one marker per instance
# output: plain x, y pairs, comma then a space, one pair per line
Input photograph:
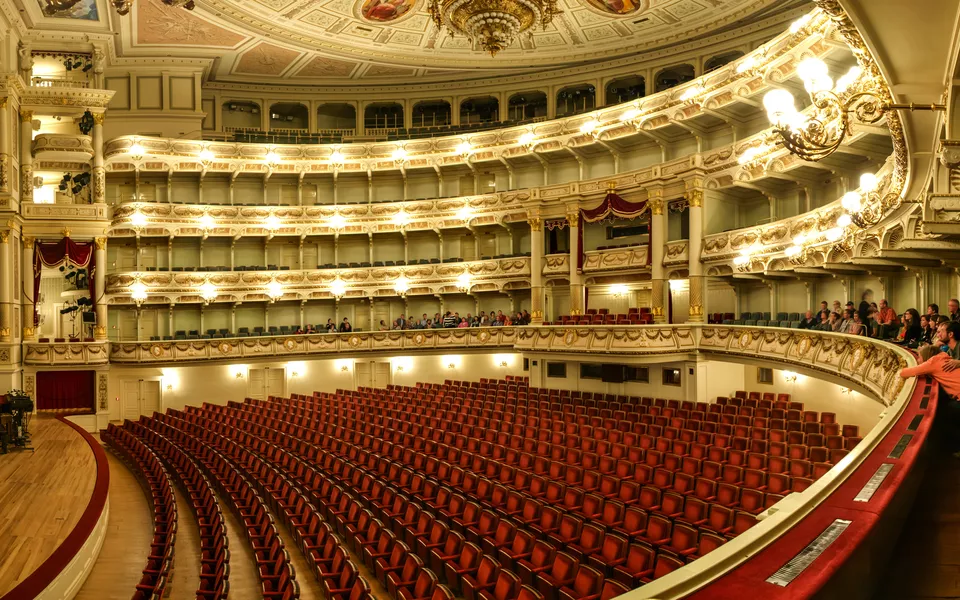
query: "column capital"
28, 242
97, 117
4, 236
573, 216
535, 223
26, 116
656, 205
694, 198
101, 242
3, 101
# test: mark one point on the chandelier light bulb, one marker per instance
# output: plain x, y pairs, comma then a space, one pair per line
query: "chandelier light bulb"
800, 239
691, 93
338, 288
844, 221
399, 155
868, 183
793, 250
618, 289
274, 290
815, 75
464, 148
463, 281
465, 213
400, 219
336, 158
746, 64
851, 202
206, 155
630, 114
402, 286
741, 260
833, 234
780, 106
136, 150
590, 126
272, 223
847, 80
800, 23
527, 138
272, 158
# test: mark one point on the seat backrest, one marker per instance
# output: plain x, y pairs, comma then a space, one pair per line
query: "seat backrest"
591, 537
487, 571
452, 544
543, 554
634, 519
640, 557
614, 547
425, 584
507, 585
564, 567
522, 542
398, 554
528, 593
612, 589
469, 556
411, 566
587, 582
666, 564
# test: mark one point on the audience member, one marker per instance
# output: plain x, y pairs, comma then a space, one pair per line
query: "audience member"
383, 326
926, 328
809, 321
888, 320
345, 326
953, 305
910, 333
824, 311
331, 326
858, 327
936, 364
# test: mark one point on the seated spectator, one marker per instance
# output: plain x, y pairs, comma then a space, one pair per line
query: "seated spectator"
948, 336
888, 320
463, 324
310, 330
345, 326
837, 307
933, 310
401, 322
936, 364
824, 308
846, 320
808, 321
823, 317
507, 321
484, 320
926, 328
831, 324
424, 322
857, 327
526, 317
331, 326
383, 326
450, 320
910, 333
954, 306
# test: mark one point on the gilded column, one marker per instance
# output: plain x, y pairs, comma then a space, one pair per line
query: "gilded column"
4, 148
28, 307
26, 156
99, 286
536, 269
576, 278
694, 197
6, 296
658, 230
99, 178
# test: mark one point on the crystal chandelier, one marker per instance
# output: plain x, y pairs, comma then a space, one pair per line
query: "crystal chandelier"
494, 24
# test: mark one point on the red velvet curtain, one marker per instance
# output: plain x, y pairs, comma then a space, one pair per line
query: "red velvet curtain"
66, 251
613, 203
59, 390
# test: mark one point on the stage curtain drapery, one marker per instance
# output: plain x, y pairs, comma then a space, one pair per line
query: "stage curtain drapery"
66, 390
64, 252
612, 205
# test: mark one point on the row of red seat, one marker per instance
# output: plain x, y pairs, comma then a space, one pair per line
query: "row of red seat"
548, 512
198, 491
453, 542
338, 575
159, 488
277, 577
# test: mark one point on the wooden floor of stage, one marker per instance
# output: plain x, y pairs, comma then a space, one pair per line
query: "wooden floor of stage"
42, 496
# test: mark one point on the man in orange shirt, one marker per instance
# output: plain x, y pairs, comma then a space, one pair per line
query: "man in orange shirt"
888, 320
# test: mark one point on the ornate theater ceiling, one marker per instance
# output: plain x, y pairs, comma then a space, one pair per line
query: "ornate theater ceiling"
381, 40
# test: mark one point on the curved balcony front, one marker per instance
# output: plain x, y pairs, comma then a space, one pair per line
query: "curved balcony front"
62, 148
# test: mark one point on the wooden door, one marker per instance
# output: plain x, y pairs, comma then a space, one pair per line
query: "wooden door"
361, 371
149, 396
130, 399
381, 374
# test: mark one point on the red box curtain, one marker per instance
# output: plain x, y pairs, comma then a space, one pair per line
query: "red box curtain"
61, 390
66, 251
614, 205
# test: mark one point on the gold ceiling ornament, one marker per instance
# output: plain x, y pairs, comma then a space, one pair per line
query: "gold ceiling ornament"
493, 24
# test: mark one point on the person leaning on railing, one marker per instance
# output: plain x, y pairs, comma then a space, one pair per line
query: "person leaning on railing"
937, 365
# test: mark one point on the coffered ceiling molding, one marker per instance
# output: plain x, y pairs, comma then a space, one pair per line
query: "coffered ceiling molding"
323, 66
265, 59
157, 25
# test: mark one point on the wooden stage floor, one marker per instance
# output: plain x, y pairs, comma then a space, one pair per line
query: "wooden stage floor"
42, 496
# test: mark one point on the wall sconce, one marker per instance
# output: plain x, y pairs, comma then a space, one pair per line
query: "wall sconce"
208, 292
464, 282
451, 361
590, 127
336, 222
138, 292
402, 286
465, 214
206, 156
297, 368
207, 222
274, 290
138, 219
136, 151
846, 390
790, 376
336, 158
343, 365
402, 363
502, 360
503, 363
399, 156
272, 222
338, 288
618, 290
528, 140
464, 148
272, 158
239, 371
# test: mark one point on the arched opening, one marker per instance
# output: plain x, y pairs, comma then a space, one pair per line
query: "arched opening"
339, 116
526, 106
431, 113
576, 99
474, 111
241, 116
383, 115
673, 76
286, 116
625, 89
720, 60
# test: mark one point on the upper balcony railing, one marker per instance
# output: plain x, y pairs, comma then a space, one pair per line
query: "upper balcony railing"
694, 106
58, 82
